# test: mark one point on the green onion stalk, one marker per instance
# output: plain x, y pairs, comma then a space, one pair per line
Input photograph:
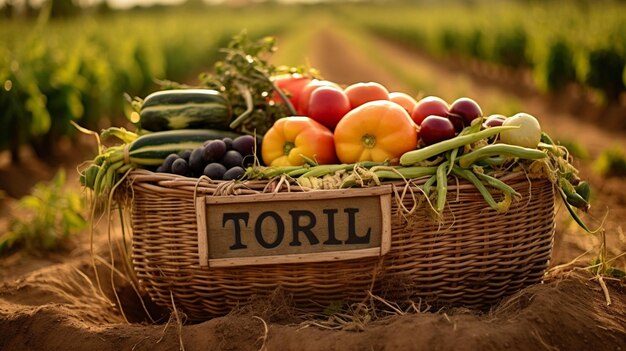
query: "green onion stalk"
105, 170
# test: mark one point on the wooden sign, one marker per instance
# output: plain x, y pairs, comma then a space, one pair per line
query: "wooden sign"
315, 226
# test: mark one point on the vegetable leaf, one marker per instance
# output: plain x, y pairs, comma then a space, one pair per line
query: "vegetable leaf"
244, 76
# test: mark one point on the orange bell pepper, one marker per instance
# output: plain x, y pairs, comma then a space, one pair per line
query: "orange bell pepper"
291, 138
375, 131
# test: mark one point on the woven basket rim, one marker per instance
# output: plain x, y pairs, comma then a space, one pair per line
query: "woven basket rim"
168, 180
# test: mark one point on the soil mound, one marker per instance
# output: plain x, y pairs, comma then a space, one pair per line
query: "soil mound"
62, 307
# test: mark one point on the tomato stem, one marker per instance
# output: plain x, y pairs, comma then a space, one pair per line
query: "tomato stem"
288, 147
368, 140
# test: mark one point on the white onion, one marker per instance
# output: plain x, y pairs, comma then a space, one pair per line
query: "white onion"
527, 135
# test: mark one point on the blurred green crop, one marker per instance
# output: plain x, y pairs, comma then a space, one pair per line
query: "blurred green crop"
611, 162
563, 42
54, 71
53, 215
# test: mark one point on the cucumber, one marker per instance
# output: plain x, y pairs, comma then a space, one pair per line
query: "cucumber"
185, 109
151, 149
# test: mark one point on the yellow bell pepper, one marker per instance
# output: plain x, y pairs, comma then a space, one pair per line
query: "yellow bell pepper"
291, 138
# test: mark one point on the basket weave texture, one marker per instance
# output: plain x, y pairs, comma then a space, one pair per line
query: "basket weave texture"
473, 258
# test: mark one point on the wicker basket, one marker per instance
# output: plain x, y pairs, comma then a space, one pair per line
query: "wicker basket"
473, 258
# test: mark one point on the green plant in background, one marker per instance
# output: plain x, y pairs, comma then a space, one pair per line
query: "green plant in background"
606, 66
476, 43
560, 68
52, 216
611, 162
510, 47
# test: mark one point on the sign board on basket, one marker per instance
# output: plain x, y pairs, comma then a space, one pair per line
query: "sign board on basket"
315, 226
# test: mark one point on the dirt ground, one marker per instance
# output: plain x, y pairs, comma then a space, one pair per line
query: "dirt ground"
55, 303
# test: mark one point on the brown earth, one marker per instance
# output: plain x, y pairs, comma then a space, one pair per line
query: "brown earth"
54, 302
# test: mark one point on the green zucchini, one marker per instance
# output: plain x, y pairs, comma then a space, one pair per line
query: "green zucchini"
185, 109
151, 149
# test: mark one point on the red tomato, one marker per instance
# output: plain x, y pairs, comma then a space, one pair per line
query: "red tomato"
430, 105
291, 85
305, 94
328, 105
404, 100
360, 93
